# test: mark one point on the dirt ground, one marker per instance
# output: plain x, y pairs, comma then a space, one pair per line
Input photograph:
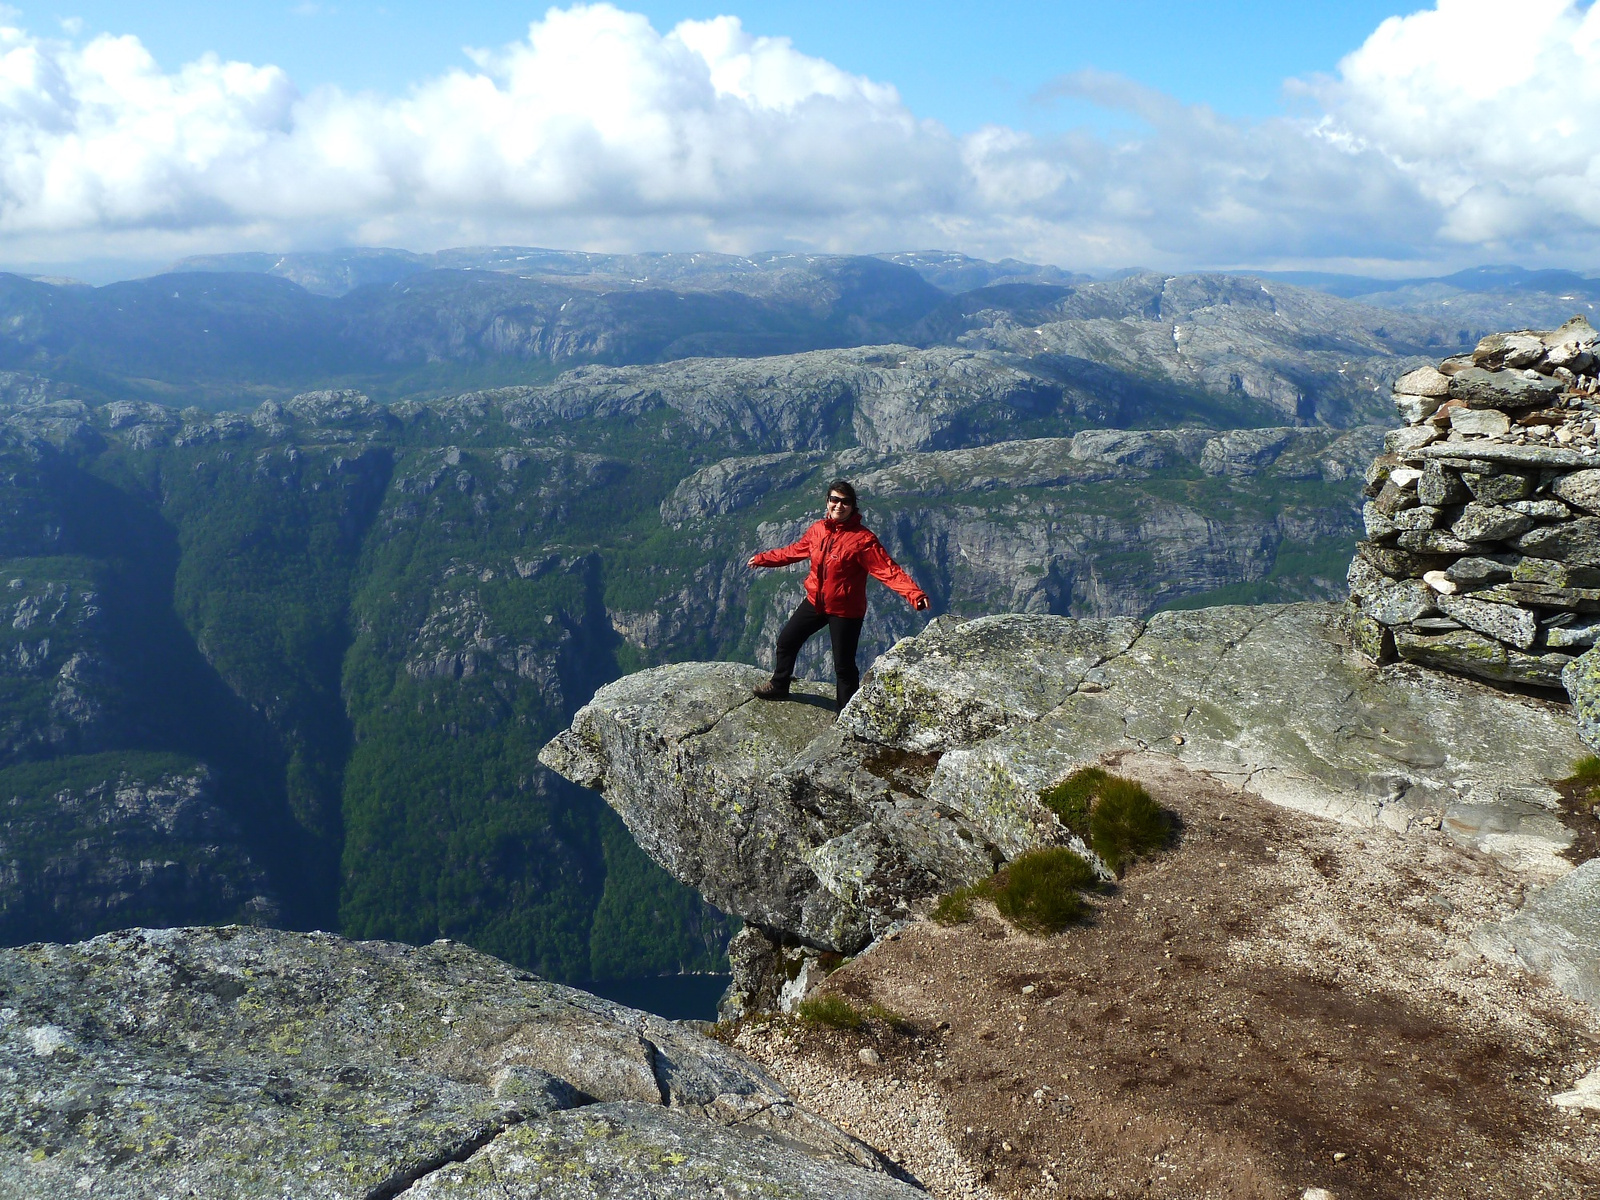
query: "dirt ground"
1274, 1004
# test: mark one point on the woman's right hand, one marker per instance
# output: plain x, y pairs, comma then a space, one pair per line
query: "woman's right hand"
752, 561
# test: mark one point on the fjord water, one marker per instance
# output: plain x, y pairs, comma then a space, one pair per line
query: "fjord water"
675, 997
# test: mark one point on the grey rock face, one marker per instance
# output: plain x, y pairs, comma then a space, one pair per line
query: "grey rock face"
824, 833
252, 1063
1555, 934
1502, 389
892, 397
732, 484
1224, 333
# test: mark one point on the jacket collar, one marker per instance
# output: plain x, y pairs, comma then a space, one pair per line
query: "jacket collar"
853, 521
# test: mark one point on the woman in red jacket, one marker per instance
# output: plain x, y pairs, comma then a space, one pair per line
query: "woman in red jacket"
843, 552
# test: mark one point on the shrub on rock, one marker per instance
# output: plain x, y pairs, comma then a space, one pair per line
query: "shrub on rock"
1116, 816
1042, 891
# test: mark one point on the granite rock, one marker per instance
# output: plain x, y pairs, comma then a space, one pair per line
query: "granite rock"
1555, 934
825, 834
1510, 624
1502, 389
1581, 679
1481, 522
253, 1063
1581, 489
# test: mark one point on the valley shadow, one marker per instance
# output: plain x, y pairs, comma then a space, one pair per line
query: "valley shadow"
183, 704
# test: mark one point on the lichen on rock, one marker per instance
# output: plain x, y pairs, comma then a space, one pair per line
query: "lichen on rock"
256, 1063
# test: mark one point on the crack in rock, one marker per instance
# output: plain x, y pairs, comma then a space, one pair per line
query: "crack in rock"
403, 1180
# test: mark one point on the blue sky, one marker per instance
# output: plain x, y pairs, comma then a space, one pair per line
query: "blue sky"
1093, 135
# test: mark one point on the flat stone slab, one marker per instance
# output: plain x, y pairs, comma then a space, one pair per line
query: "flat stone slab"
1555, 934
633, 1151
1498, 452
251, 1063
827, 832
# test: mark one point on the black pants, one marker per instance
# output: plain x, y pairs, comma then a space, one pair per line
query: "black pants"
846, 634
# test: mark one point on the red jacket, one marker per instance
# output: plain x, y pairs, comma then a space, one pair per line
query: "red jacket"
842, 554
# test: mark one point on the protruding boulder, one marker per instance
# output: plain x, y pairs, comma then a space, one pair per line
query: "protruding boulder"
825, 834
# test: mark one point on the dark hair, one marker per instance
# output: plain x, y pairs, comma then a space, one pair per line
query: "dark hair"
845, 489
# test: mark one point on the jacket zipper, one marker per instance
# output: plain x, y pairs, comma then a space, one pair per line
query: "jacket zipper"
822, 575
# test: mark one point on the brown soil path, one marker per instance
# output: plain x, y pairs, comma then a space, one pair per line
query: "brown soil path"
1275, 1004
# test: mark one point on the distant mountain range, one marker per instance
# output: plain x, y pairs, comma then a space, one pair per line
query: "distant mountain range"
228, 332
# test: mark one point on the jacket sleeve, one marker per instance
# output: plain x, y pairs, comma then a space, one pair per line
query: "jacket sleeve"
888, 572
782, 556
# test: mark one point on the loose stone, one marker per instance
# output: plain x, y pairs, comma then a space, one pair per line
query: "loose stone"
1488, 523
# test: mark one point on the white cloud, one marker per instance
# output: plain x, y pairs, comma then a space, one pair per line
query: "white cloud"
1493, 110
1452, 132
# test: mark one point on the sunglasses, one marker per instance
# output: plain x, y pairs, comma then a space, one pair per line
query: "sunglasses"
832, 500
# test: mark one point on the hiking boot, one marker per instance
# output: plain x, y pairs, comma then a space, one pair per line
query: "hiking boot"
771, 691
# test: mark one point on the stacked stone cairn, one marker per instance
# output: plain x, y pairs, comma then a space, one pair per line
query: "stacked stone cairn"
1482, 552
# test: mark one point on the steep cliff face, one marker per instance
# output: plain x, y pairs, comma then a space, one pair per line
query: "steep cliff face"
131, 839
252, 1063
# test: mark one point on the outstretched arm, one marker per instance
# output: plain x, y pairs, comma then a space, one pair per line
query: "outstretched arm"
782, 556
888, 572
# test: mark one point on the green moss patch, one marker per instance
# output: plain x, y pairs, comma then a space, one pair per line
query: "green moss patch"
1040, 891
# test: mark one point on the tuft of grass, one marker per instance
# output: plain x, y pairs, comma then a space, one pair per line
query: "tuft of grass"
1585, 772
1126, 823
955, 908
1585, 780
1041, 891
1072, 798
830, 1010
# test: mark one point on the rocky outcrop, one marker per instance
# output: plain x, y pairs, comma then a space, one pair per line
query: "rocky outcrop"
826, 833
1482, 551
251, 1063
1306, 356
